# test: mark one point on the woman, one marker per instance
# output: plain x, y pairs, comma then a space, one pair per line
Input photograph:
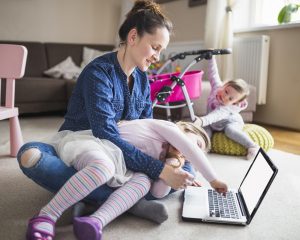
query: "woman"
111, 88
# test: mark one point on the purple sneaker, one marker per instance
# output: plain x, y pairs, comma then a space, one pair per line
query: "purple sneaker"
87, 228
34, 233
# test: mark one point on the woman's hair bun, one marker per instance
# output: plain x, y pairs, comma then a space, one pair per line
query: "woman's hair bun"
145, 16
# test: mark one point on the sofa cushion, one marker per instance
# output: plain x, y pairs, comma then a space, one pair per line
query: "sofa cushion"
33, 89
70, 87
66, 69
36, 60
57, 52
42, 107
89, 54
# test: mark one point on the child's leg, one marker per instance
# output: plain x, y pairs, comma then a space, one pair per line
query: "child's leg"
159, 189
209, 131
118, 202
94, 169
235, 132
123, 198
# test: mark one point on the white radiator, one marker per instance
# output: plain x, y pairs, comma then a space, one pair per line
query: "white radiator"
251, 59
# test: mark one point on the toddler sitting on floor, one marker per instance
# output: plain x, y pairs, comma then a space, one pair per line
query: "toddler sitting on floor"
224, 103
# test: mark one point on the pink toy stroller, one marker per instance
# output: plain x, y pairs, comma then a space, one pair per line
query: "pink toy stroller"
180, 88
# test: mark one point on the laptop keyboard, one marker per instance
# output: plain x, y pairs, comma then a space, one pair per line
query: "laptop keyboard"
222, 206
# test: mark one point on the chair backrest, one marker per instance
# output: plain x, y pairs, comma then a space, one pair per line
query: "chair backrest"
12, 61
12, 66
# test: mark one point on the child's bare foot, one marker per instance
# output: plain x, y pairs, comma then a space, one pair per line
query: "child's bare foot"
252, 152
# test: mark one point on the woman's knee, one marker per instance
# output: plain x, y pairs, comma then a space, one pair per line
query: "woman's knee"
30, 157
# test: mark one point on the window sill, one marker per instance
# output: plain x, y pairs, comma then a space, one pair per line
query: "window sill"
273, 27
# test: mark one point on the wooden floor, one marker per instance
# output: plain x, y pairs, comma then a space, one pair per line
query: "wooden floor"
285, 139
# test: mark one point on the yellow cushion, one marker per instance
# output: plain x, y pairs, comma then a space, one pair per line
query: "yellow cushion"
221, 144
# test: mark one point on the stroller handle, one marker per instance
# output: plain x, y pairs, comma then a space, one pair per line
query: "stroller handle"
199, 52
204, 53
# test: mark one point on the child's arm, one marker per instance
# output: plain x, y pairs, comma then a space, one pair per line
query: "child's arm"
215, 116
221, 113
191, 151
213, 74
173, 135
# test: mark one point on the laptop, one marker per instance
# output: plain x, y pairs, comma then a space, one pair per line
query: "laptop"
238, 206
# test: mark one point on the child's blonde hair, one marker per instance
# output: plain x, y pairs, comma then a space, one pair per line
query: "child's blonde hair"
240, 85
193, 128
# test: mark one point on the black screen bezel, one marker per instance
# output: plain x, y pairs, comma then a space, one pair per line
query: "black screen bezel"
275, 171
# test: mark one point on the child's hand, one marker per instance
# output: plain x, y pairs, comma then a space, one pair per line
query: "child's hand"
196, 184
219, 186
198, 121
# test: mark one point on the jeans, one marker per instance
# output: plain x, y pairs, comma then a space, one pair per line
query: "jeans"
51, 173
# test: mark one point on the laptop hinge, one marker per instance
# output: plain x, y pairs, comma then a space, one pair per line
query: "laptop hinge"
241, 205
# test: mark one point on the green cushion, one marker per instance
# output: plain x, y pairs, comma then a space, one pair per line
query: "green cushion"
221, 144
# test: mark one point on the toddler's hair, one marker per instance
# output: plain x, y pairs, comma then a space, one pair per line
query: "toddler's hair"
146, 16
240, 86
193, 128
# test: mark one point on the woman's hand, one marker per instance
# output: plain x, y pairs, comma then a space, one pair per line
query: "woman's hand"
219, 186
196, 184
176, 178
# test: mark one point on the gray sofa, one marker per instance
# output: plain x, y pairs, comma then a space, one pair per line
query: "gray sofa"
36, 92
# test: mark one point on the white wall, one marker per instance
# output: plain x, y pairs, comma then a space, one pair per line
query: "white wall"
283, 91
88, 21
188, 21
77, 21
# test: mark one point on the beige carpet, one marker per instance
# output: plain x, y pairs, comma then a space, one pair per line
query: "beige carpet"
278, 217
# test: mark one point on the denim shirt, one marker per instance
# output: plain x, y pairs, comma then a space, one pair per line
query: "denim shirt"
101, 98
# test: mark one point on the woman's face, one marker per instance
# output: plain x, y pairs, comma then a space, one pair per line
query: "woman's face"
146, 49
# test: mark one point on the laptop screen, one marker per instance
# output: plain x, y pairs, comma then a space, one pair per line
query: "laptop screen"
256, 181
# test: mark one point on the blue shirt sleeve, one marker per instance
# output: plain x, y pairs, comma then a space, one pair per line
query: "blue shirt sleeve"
98, 98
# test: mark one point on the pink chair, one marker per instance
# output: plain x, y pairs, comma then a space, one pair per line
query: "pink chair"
12, 66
